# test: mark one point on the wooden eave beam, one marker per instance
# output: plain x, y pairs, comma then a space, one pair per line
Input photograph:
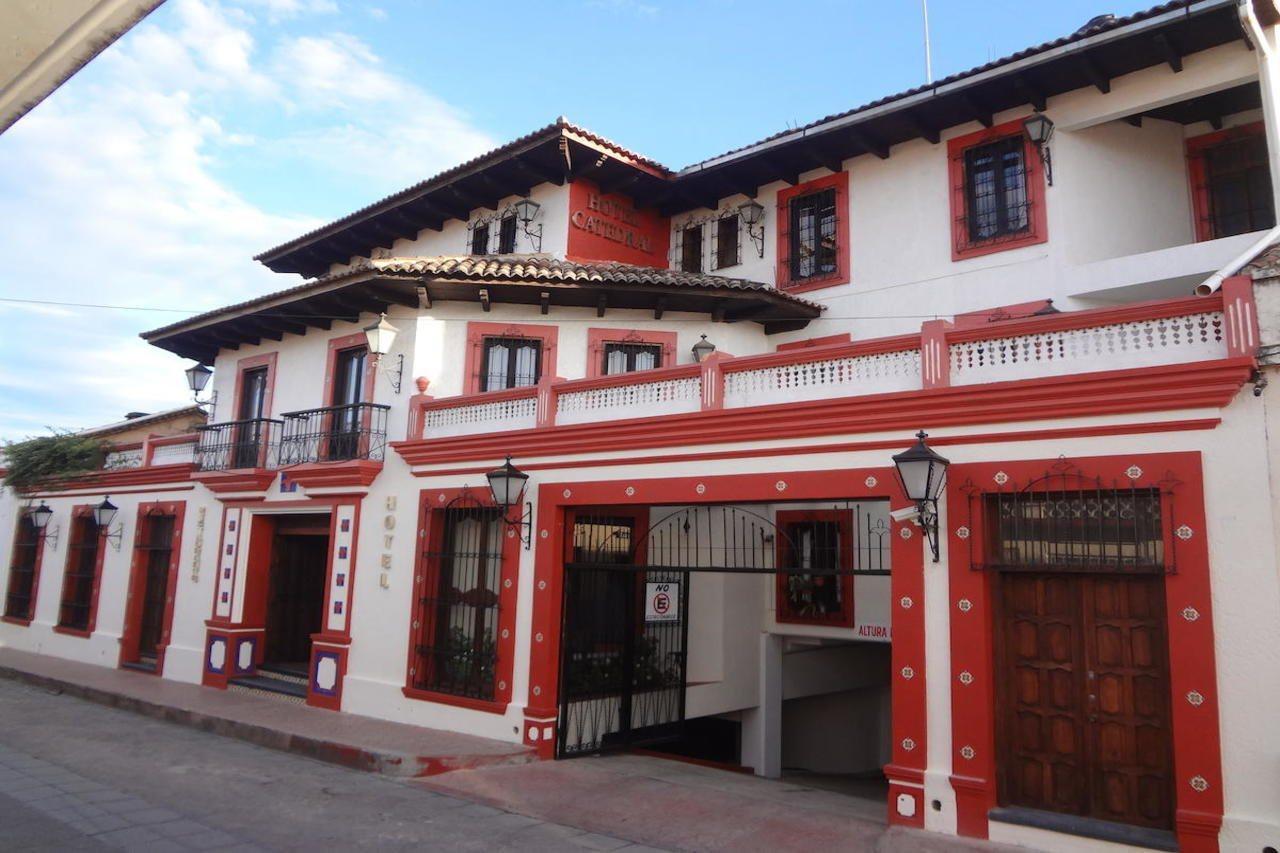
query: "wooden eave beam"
822, 155
869, 143
979, 112
394, 296
536, 173
1033, 95
259, 328
1172, 55
781, 172
1095, 74
284, 324
1135, 120
930, 133
619, 184
440, 211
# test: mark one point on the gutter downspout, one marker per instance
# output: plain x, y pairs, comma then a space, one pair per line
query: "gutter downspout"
1210, 285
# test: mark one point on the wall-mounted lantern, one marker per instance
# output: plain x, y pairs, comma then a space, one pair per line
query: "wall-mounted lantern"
702, 349
527, 210
103, 514
922, 473
752, 213
506, 486
40, 516
380, 337
197, 378
1039, 128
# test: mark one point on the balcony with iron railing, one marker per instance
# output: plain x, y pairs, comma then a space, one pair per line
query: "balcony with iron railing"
1168, 354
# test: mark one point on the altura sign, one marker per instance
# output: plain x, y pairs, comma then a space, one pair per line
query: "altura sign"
614, 221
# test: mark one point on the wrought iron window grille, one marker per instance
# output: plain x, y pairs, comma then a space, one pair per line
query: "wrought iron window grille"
479, 233
726, 241
813, 233
1237, 187
689, 247
458, 612
82, 569
22, 570
998, 207
1068, 521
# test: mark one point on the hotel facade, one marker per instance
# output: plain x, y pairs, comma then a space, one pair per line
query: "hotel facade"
1055, 266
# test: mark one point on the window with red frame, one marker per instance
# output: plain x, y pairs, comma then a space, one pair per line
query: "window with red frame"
997, 191
508, 362
1231, 181
81, 574
19, 600
818, 543
457, 615
813, 243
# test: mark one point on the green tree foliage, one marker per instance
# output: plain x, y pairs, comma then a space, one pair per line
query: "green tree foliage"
39, 460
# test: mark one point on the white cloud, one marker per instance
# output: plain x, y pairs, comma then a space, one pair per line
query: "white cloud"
278, 10
111, 192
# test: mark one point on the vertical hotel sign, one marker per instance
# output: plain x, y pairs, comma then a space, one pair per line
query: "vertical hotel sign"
609, 227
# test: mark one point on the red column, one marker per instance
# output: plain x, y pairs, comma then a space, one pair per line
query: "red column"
713, 380
1240, 316
935, 356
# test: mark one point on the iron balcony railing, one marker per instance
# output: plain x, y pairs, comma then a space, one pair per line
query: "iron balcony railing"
252, 443
334, 434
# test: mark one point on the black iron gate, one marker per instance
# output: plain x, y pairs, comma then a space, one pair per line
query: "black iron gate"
623, 668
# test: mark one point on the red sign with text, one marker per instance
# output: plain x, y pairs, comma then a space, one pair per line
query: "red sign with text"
609, 227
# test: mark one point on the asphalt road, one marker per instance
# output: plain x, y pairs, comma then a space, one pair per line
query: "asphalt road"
80, 776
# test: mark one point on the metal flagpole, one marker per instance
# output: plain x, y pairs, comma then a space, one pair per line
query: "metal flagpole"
928, 59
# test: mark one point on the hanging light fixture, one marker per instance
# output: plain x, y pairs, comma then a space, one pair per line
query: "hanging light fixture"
380, 337
527, 210
1039, 129
922, 473
752, 213
103, 515
40, 516
506, 486
702, 349
198, 376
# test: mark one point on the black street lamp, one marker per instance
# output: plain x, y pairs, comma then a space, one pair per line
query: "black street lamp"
506, 486
40, 516
1039, 128
752, 213
197, 378
923, 473
702, 349
103, 514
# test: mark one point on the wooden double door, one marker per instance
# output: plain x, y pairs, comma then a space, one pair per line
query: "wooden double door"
1082, 692
295, 595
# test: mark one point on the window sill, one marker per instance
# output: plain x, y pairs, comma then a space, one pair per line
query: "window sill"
485, 705
1103, 830
840, 621
808, 284
16, 620
977, 250
84, 633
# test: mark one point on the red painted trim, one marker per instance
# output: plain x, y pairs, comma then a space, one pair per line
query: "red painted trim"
319, 649
84, 491
1240, 315
1137, 428
935, 354
972, 319
478, 331
357, 340
80, 511
1038, 232
153, 475
1131, 312
874, 346
267, 360
1196, 739
1210, 384
344, 635
840, 183
37, 561
556, 502
622, 232
597, 338
1197, 146
236, 480
355, 472
478, 397
136, 595
844, 518
431, 504
825, 340
166, 440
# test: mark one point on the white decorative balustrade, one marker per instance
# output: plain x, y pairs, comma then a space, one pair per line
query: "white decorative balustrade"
481, 416
118, 460
174, 454
639, 399
1139, 343
841, 376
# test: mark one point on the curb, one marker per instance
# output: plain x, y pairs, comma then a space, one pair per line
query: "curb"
388, 763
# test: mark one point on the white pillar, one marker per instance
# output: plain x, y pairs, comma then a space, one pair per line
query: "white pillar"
762, 725
1267, 49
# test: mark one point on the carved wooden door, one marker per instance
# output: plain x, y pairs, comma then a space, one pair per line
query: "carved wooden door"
1083, 696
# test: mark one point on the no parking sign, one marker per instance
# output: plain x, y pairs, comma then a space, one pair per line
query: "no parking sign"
662, 601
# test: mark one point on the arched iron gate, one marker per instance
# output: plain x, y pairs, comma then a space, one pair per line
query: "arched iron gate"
625, 628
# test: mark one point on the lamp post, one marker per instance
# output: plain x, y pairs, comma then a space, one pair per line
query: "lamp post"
922, 473
103, 514
380, 336
506, 486
1039, 128
197, 378
752, 213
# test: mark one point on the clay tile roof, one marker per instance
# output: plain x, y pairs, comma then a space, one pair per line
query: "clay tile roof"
559, 126
502, 268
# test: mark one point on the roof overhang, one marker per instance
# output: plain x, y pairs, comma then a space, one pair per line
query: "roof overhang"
381, 286
555, 154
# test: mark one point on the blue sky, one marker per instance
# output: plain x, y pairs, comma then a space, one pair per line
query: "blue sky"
218, 128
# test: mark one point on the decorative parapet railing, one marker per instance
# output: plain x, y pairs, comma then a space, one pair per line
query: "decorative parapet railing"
334, 434
120, 458
151, 452
232, 445
1151, 334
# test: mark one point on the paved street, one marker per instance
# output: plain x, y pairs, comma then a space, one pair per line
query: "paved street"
79, 776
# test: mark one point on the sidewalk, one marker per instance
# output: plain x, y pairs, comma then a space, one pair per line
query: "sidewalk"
362, 743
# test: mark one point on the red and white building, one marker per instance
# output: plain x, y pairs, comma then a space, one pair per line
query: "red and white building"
704, 374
